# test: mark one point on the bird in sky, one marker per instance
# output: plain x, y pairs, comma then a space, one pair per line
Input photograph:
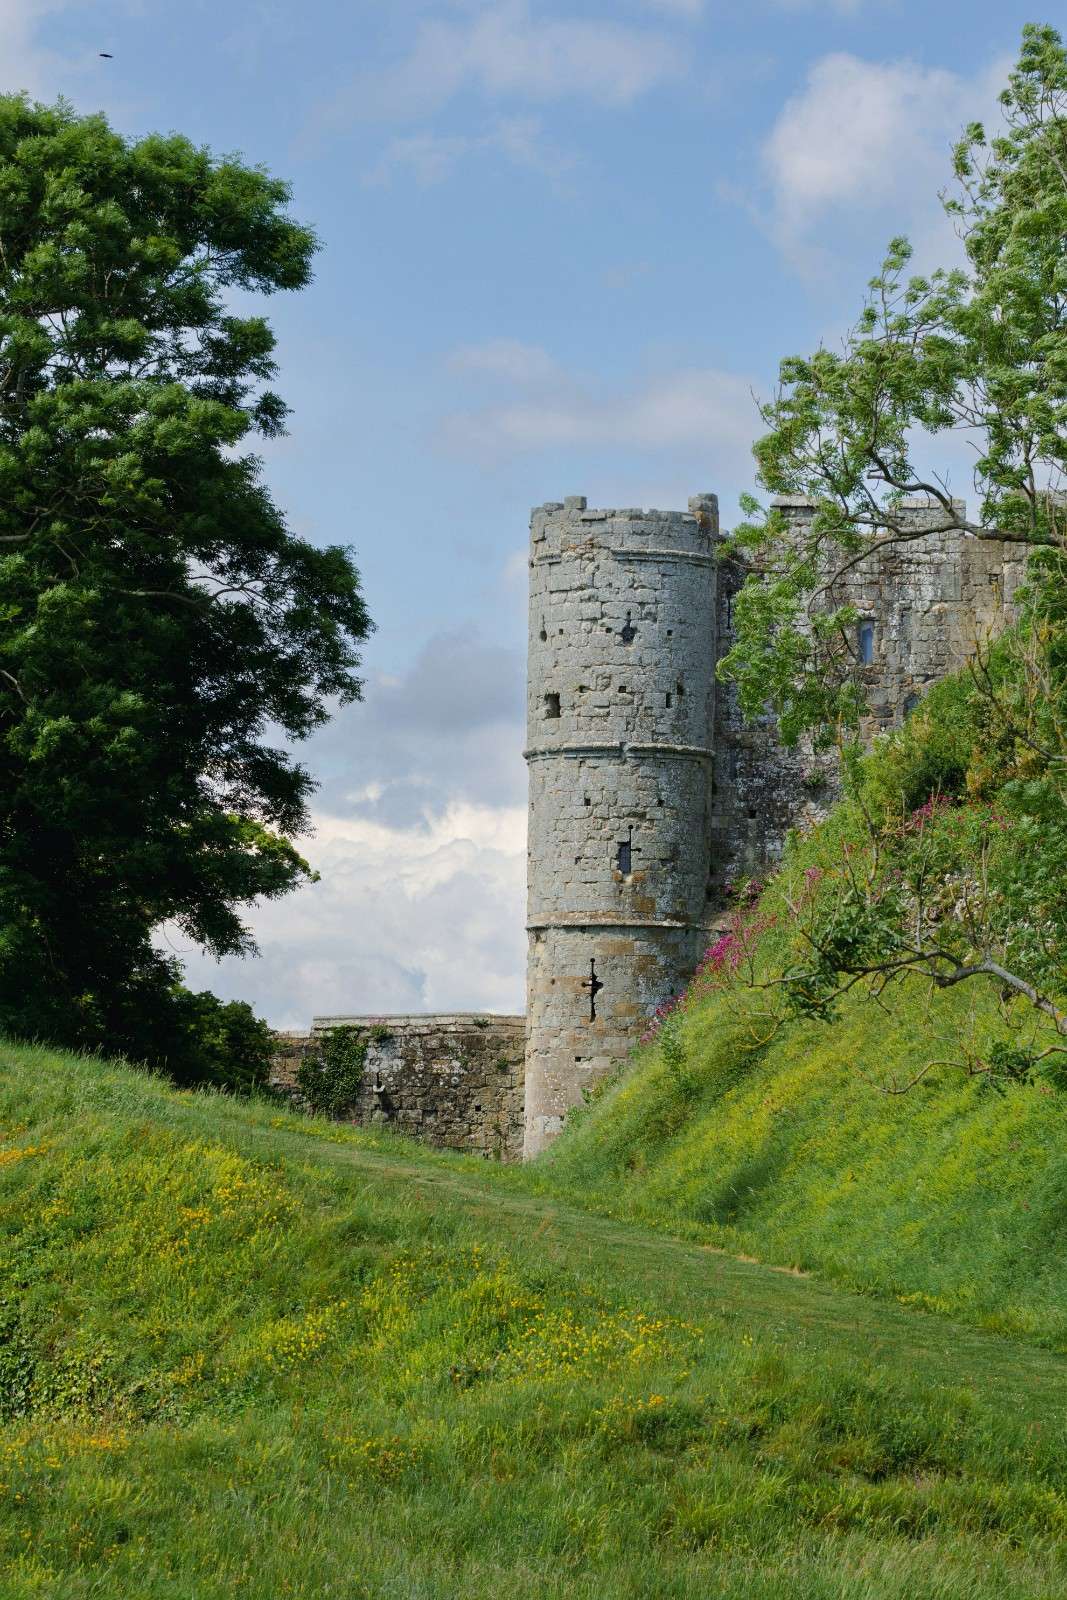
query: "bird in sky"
107, 56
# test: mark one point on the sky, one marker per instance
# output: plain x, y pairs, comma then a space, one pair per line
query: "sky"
564, 247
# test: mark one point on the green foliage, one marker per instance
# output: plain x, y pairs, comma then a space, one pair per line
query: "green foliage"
330, 1076
982, 350
157, 614
208, 1041
258, 1353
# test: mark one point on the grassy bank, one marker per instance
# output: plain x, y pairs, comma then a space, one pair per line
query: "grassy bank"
952, 1196
246, 1354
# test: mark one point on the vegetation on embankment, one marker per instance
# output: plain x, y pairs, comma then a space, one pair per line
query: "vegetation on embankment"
243, 1352
952, 1196
895, 1136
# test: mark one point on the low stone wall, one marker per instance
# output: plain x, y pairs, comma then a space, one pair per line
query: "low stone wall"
454, 1081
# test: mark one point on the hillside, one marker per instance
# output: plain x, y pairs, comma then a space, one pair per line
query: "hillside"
952, 1196
900, 1139
245, 1353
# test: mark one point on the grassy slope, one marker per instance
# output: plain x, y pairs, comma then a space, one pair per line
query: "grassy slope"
951, 1196
247, 1354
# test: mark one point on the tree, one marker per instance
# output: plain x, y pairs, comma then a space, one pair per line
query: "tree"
157, 616
980, 352
961, 880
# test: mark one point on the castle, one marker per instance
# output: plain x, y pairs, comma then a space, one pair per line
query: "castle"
649, 795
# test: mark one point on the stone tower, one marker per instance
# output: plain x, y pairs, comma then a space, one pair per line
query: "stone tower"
620, 712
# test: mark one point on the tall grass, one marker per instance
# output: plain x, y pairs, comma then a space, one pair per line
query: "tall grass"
241, 1353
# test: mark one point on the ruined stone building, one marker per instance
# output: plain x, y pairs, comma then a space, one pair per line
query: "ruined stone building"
649, 795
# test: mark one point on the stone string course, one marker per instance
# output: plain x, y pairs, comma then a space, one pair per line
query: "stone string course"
452, 1080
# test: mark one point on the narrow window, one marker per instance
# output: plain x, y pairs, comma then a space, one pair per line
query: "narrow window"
624, 858
594, 985
628, 633
551, 705
668, 699
729, 610
679, 690
866, 643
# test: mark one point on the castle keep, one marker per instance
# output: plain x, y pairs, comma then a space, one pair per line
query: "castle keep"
649, 795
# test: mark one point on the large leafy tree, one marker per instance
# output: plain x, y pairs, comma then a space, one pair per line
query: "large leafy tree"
159, 622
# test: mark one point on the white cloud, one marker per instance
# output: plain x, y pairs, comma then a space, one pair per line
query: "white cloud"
404, 919
864, 137
501, 51
420, 832
700, 408
432, 157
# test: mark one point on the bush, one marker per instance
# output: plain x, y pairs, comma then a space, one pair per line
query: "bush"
330, 1076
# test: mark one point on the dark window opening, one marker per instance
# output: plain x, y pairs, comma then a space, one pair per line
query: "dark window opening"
588, 802
544, 631
668, 699
594, 985
752, 816
729, 610
628, 633
866, 643
679, 690
624, 859
551, 705
670, 633
477, 1108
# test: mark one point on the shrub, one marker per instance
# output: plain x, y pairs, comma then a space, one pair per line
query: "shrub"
330, 1076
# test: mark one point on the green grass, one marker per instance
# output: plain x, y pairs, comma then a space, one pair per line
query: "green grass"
244, 1353
778, 1141
953, 1196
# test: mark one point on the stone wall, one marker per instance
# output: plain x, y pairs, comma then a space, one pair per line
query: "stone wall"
929, 605
454, 1081
621, 696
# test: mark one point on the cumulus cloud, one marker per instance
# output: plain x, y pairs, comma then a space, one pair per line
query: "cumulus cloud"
863, 137
420, 832
547, 407
501, 50
426, 918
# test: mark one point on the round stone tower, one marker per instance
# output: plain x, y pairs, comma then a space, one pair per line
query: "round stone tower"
620, 713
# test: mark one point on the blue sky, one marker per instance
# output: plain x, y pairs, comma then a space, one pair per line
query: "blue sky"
563, 244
